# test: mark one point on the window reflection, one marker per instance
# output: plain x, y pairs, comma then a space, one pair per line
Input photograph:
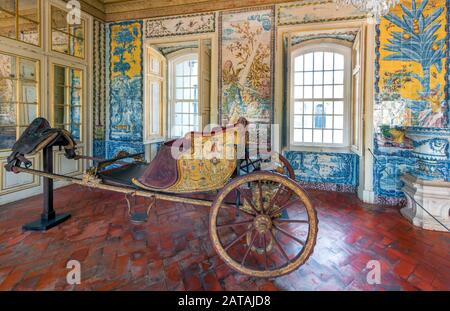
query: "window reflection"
20, 20
19, 97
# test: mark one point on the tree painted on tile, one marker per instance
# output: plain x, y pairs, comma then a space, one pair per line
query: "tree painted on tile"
126, 96
414, 40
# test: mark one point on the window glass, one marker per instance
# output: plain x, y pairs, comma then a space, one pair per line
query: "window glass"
68, 99
318, 103
19, 97
185, 93
20, 20
67, 38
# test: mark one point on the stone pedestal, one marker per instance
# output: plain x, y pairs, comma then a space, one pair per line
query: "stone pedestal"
434, 196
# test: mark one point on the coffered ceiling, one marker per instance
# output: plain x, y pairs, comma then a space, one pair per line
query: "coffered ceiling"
115, 10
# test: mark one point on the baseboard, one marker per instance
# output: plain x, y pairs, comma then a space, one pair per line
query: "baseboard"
367, 196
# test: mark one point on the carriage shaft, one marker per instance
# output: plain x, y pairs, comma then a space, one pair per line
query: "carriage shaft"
121, 189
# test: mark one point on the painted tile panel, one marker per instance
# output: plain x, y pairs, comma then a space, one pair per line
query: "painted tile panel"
318, 167
246, 65
99, 148
387, 173
412, 66
126, 79
315, 11
180, 25
114, 147
411, 95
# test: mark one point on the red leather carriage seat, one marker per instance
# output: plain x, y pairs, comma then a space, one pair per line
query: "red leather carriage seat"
162, 172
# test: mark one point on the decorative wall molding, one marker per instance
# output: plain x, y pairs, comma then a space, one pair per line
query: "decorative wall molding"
99, 82
180, 25
348, 36
134, 9
315, 11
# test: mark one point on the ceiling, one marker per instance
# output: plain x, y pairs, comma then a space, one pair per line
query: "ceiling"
115, 10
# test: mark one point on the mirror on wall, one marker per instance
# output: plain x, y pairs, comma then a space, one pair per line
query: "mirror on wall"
178, 88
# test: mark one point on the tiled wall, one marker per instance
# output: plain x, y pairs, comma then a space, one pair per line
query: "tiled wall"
411, 87
124, 129
325, 171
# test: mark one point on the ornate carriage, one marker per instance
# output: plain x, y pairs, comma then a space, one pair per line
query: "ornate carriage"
261, 221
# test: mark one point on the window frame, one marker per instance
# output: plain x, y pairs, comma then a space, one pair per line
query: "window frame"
173, 60
83, 125
84, 23
17, 18
18, 90
315, 46
152, 76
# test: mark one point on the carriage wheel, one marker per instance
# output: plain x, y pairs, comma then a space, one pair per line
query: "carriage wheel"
267, 237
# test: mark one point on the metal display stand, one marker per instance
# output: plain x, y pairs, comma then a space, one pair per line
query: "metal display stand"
49, 218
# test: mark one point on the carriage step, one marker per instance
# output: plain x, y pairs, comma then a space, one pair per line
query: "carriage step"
139, 217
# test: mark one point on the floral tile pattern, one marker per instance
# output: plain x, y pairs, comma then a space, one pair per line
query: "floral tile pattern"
313, 11
246, 65
180, 25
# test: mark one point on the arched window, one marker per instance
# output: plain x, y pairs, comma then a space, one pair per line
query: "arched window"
320, 95
184, 85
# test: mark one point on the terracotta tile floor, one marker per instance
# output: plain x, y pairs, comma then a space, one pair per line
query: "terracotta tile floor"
173, 251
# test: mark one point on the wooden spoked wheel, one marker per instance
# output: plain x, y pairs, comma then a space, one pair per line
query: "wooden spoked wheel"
266, 236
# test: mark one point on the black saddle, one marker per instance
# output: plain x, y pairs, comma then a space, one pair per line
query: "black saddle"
36, 137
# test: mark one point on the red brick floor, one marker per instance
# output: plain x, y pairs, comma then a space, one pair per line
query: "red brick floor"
173, 251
